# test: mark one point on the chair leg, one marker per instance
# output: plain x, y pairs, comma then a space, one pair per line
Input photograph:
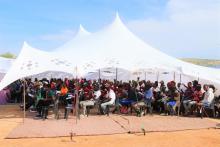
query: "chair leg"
67, 113
213, 112
44, 112
56, 111
201, 113
87, 111
107, 110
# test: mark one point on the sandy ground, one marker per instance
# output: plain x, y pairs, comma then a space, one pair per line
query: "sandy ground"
9, 119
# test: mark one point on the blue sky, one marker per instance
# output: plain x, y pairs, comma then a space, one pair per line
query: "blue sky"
181, 28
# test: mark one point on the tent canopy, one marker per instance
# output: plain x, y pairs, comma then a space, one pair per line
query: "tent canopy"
112, 47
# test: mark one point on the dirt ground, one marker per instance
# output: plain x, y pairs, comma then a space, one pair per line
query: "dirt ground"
9, 119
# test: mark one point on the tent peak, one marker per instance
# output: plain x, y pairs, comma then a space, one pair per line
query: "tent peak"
117, 19
117, 23
82, 31
25, 44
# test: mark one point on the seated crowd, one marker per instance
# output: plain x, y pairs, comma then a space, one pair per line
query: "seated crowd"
133, 97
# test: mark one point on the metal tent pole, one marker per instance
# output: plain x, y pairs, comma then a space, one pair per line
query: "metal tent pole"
145, 75
77, 98
174, 76
180, 99
24, 99
116, 74
158, 73
99, 76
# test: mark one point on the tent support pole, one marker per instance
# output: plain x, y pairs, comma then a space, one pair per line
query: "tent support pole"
24, 104
76, 72
158, 73
116, 78
99, 76
145, 75
77, 98
174, 76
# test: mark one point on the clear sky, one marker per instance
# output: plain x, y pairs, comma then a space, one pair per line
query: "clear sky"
181, 28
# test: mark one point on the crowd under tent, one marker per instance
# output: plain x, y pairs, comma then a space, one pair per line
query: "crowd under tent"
113, 47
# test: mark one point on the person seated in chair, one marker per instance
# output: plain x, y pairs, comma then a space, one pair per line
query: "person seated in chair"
217, 106
173, 98
197, 97
148, 96
188, 97
91, 100
208, 96
29, 98
109, 100
63, 93
48, 97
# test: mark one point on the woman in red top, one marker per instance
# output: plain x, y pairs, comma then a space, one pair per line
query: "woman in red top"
197, 96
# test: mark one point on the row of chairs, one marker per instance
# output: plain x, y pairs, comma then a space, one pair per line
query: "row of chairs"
204, 110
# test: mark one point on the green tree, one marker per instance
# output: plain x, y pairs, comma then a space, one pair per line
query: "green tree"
8, 55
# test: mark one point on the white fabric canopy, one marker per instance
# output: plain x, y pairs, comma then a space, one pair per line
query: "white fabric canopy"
109, 74
112, 47
5, 64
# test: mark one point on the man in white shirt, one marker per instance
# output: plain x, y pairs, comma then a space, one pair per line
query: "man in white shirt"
208, 96
92, 101
110, 99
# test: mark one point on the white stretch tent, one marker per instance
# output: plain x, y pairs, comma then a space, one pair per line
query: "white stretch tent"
5, 64
112, 47
109, 74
